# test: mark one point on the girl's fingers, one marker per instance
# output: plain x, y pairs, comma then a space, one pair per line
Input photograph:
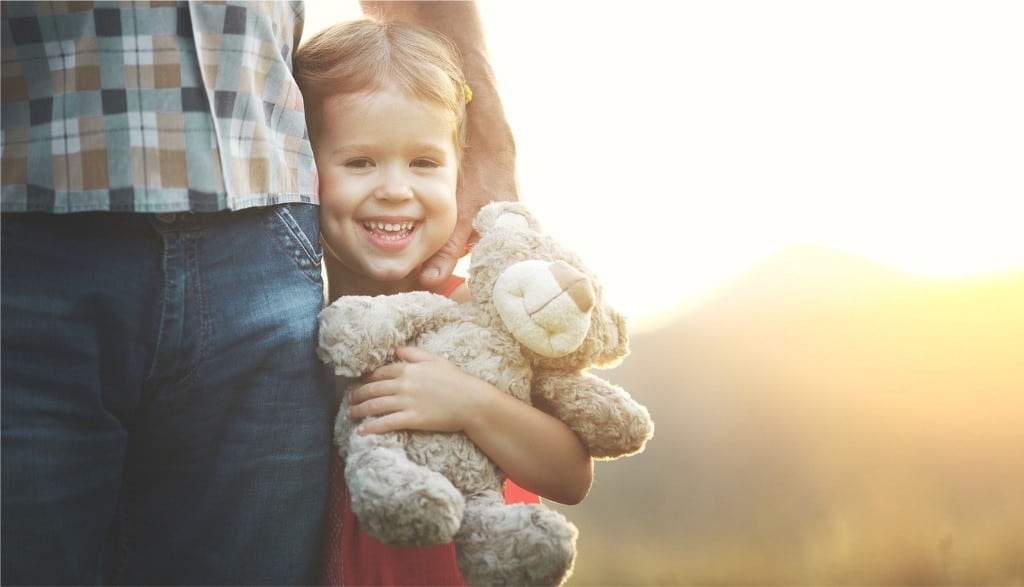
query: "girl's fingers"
405, 354
389, 371
374, 406
368, 391
411, 354
404, 395
387, 423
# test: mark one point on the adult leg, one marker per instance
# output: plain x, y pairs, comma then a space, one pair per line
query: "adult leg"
227, 472
77, 325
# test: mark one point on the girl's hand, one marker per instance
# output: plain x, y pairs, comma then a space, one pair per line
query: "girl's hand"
426, 392
422, 392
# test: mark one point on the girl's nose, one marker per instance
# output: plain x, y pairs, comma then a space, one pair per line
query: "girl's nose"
393, 186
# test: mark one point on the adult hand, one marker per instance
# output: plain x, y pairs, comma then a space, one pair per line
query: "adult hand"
486, 177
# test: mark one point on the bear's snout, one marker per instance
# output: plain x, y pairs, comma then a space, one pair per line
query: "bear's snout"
546, 305
574, 284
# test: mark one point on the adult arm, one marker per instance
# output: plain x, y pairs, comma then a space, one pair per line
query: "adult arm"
488, 168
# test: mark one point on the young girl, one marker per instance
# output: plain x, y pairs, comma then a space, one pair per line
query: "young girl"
386, 110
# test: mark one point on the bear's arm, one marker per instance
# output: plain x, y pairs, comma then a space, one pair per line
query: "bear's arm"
607, 419
359, 333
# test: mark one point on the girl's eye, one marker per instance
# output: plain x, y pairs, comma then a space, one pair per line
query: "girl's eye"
360, 163
426, 163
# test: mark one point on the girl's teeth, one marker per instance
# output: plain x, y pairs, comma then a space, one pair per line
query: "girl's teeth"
389, 227
390, 231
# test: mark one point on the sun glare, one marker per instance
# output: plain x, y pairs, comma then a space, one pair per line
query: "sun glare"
677, 147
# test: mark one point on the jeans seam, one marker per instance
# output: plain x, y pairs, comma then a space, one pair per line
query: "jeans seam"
161, 317
192, 262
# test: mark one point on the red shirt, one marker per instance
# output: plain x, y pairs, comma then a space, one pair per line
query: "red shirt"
353, 557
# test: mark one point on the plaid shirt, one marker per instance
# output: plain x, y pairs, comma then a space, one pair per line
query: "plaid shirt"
152, 107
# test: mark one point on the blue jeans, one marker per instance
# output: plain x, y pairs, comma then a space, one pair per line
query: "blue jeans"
165, 419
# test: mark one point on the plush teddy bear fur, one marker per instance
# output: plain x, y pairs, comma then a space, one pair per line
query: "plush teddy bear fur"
536, 321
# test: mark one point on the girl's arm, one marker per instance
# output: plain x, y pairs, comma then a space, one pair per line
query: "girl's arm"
425, 392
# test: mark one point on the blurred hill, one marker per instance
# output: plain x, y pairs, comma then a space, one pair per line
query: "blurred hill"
822, 420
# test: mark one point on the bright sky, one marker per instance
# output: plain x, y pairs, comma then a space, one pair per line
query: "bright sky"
675, 144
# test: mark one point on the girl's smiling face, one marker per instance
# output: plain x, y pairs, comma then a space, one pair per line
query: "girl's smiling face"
388, 168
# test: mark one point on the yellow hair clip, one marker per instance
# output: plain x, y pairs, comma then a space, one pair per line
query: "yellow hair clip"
468, 92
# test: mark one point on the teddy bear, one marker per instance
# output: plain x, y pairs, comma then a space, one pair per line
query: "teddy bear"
535, 322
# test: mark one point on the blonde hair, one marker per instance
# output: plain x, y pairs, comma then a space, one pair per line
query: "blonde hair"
367, 55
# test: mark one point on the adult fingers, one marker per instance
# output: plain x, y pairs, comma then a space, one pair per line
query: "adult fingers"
438, 268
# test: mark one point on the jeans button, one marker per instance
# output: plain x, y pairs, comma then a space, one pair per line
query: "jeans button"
167, 218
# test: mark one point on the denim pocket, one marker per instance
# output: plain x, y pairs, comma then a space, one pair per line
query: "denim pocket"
296, 229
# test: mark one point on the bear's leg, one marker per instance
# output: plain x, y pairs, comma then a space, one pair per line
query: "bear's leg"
519, 544
399, 502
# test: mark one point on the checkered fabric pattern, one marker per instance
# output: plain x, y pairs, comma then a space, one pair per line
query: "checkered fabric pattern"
152, 107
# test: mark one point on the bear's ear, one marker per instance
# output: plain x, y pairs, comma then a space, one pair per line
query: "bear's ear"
504, 216
512, 221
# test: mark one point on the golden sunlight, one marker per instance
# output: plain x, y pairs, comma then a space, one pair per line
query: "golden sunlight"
679, 144
812, 211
